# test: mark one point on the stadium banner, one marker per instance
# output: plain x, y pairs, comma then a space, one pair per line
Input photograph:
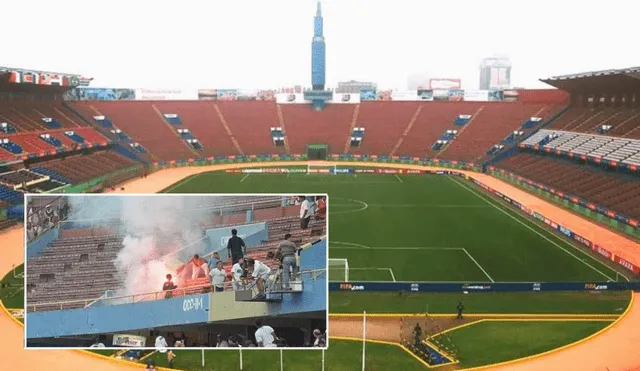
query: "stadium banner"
405, 96
368, 94
511, 95
339, 98
476, 95
368, 286
207, 94
266, 95
166, 94
246, 94
441, 95
293, 98
99, 94
425, 94
445, 84
456, 95
123, 340
384, 95
227, 94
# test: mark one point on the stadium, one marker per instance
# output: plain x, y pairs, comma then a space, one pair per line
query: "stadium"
115, 251
468, 229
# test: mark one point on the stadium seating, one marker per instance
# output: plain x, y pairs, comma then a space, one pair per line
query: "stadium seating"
384, 122
614, 191
19, 177
434, 119
10, 196
626, 151
203, 121
625, 122
330, 126
82, 259
28, 115
490, 127
144, 124
250, 123
80, 168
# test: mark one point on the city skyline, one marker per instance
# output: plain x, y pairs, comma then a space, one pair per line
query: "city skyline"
254, 44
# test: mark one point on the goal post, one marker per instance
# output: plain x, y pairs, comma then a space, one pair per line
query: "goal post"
321, 169
338, 270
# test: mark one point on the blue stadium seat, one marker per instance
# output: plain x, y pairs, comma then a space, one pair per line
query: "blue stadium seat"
7, 128
74, 137
51, 140
53, 124
14, 148
11, 196
51, 174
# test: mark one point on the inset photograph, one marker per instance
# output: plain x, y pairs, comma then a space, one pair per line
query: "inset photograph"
170, 271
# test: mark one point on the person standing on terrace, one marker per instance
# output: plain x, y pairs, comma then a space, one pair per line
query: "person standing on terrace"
218, 276
236, 247
288, 250
168, 286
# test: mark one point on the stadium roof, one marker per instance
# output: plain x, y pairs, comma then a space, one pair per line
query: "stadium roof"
607, 81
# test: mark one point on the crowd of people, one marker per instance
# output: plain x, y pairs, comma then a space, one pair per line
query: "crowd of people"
41, 218
244, 271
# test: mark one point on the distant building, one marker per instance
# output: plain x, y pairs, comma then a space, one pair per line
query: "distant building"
354, 87
495, 73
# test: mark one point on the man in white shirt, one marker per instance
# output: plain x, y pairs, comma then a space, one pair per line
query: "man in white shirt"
265, 336
218, 276
236, 274
161, 344
260, 273
305, 214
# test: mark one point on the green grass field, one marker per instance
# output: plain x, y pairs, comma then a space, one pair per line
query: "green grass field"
427, 228
12, 288
422, 228
342, 356
492, 342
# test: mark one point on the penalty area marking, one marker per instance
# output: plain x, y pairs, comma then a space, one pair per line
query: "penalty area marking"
357, 246
397, 177
393, 277
244, 177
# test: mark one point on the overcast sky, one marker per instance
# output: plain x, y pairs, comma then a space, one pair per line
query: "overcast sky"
267, 44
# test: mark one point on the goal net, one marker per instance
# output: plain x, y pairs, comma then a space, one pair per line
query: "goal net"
339, 270
323, 170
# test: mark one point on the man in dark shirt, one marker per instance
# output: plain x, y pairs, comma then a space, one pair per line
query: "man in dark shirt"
417, 335
236, 247
460, 309
168, 286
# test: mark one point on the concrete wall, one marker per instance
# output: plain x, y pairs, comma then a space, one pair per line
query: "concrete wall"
123, 317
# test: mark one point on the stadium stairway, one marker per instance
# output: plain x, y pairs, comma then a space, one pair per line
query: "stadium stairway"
140, 121
434, 119
328, 126
250, 122
384, 123
476, 138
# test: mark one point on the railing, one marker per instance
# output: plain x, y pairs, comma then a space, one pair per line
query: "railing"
314, 274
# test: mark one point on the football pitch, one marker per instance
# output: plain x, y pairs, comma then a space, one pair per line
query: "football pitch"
422, 228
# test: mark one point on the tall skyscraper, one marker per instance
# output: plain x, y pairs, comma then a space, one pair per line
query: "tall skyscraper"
495, 73
318, 52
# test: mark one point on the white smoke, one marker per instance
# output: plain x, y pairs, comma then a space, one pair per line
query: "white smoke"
158, 231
